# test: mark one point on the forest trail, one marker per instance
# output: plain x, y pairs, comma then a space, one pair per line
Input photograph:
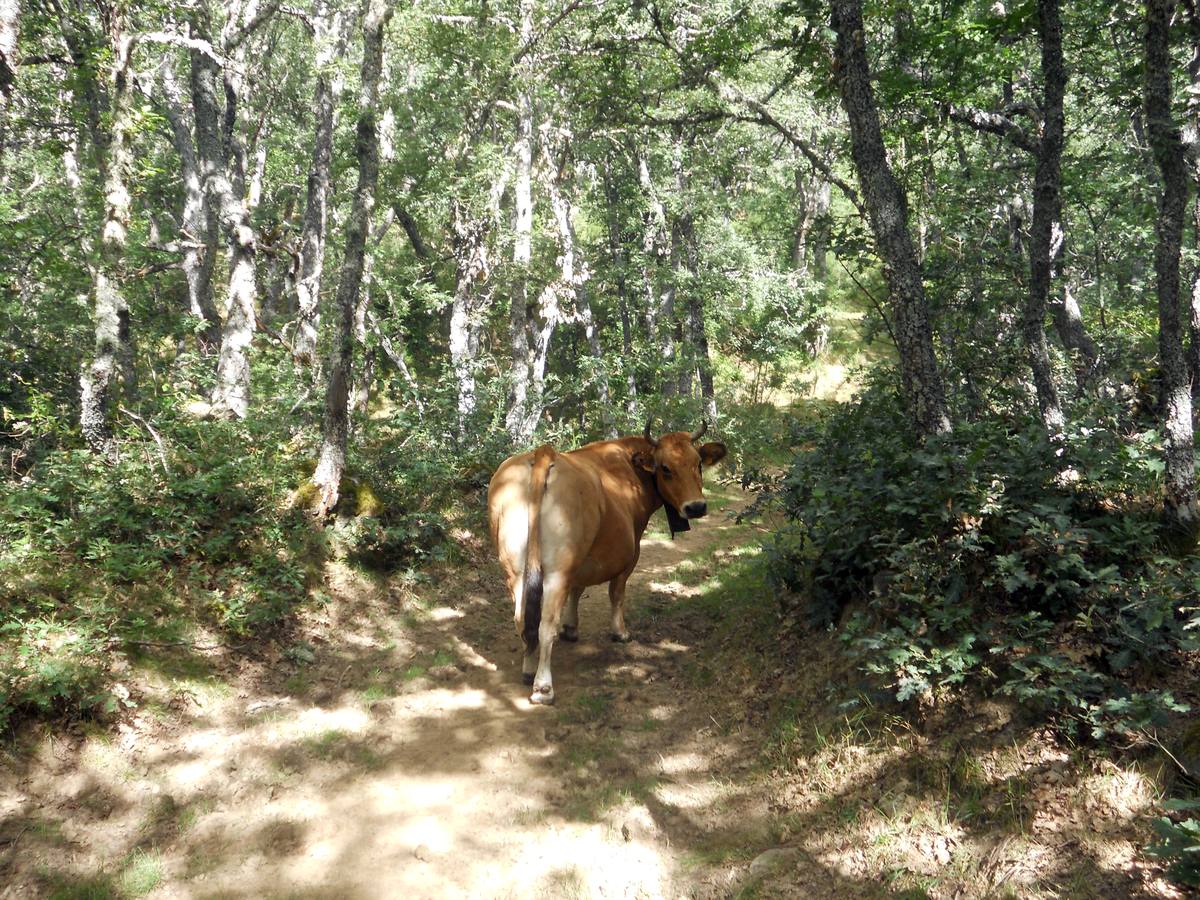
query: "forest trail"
405, 759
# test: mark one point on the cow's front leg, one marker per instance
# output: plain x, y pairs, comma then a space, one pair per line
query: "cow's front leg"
570, 619
554, 598
616, 597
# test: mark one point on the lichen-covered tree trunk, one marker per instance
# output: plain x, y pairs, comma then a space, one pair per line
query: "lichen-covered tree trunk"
1193, 353
231, 393
1180, 502
331, 42
10, 15
336, 423
198, 226
110, 311
1045, 229
470, 236
518, 415
888, 210
1192, 136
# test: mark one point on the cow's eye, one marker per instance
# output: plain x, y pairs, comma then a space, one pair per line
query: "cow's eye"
666, 470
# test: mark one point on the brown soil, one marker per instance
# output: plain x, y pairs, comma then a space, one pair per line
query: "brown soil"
392, 752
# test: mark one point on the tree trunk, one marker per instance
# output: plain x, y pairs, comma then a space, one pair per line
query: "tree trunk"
198, 227
1045, 231
10, 16
810, 238
575, 276
660, 307
694, 350
231, 394
330, 38
1193, 136
888, 209
619, 260
335, 430
1068, 322
1165, 139
470, 236
518, 416
1193, 359
110, 310
682, 273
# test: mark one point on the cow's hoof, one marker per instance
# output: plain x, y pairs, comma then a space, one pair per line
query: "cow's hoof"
542, 697
570, 633
526, 678
622, 638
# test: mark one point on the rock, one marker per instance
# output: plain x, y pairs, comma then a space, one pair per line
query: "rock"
638, 824
768, 864
382, 709
444, 673
301, 653
422, 852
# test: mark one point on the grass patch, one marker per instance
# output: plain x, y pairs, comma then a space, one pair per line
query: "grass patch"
587, 706
590, 802
143, 872
336, 745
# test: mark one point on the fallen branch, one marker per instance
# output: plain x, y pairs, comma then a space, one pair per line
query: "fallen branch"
162, 453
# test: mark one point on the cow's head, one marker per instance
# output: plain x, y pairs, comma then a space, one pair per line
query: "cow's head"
676, 463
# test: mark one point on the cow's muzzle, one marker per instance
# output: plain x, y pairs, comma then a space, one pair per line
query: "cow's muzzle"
696, 509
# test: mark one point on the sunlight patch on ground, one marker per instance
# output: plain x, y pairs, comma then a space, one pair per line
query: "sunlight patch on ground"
471, 656
314, 719
674, 589
679, 763
697, 795
445, 613
608, 864
1122, 794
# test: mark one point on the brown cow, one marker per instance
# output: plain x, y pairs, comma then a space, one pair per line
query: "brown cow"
564, 521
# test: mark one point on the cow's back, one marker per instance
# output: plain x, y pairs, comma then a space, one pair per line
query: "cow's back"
572, 510
613, 548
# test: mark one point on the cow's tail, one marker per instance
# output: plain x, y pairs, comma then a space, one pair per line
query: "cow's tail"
531, 615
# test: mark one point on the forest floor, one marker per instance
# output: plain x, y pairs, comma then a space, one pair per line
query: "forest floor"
385, 747
388, 749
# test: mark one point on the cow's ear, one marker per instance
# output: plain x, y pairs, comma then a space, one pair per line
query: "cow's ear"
644, 461
711, 454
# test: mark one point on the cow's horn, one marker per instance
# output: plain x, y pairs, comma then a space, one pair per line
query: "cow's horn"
696, 435
649, 422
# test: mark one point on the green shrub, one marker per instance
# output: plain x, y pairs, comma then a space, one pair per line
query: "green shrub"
1179, 843
96, 557
991, 556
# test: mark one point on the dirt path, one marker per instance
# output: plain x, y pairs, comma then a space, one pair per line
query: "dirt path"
393, 753
388, 749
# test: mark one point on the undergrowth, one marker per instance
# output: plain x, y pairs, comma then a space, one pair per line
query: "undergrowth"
194, 532
994, 558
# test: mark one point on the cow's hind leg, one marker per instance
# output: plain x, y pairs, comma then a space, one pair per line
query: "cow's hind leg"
516, 590
570, 619
553, 601
616, 597
529, 662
